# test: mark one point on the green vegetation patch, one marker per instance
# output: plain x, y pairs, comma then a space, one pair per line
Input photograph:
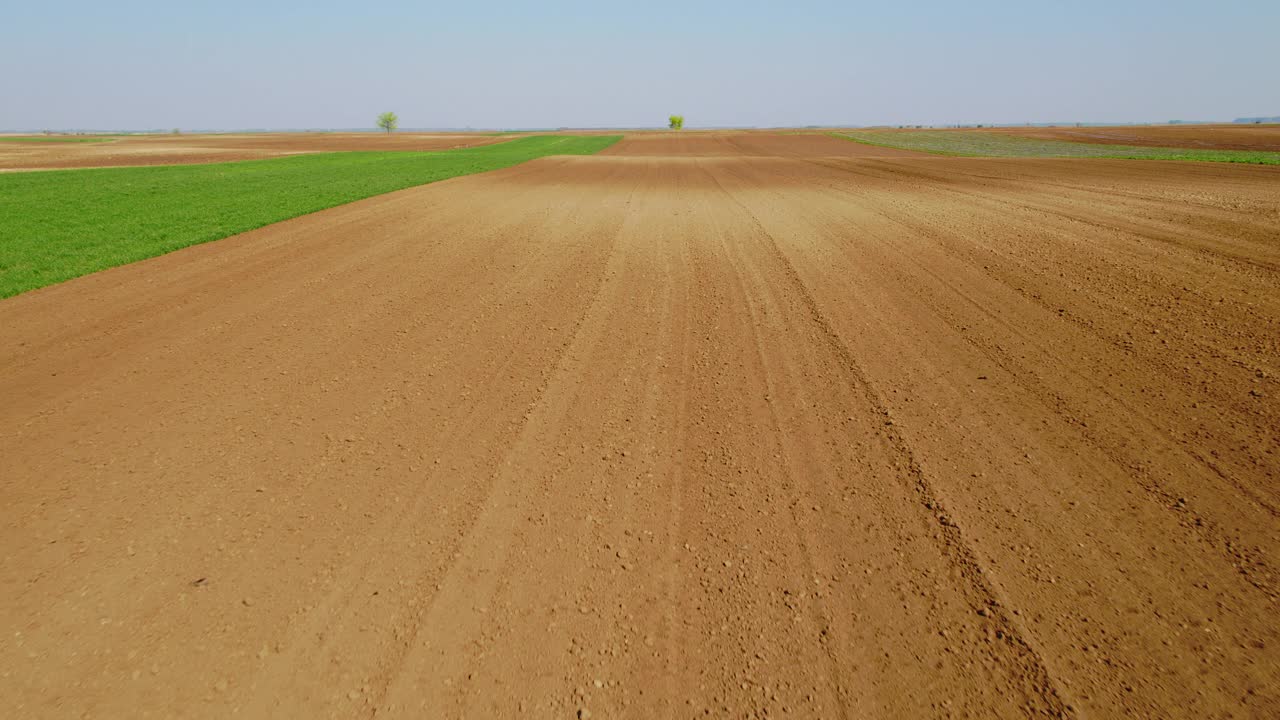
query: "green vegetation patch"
992, 144
53, 139
62, 224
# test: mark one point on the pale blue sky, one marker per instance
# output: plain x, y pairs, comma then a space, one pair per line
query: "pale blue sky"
266, 64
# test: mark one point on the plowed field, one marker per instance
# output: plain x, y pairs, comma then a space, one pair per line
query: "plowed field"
186, 149
736, 425
1208, 137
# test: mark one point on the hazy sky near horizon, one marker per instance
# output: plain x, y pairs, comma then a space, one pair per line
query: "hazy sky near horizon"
238, 64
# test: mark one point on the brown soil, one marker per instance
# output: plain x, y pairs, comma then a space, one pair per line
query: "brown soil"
1205, 137
186, 149
665, 437
747, 144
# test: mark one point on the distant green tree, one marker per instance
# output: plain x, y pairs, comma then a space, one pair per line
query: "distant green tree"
388, 121
676, 122
177, 131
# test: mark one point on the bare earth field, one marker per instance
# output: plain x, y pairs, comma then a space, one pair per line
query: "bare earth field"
188, 149
747, 145
1205, 137
738, 426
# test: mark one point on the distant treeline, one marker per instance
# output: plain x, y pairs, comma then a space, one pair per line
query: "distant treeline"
1257, 120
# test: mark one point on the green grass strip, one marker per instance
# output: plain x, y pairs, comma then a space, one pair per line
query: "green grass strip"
54, 139
992, 144
57, 225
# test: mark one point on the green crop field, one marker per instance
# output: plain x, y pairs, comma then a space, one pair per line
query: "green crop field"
62, 224
53, 139
991, 144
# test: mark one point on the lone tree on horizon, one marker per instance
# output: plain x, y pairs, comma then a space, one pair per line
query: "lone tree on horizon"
388, 121
676, 122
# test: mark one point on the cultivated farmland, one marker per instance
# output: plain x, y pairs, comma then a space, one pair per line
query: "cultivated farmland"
731, 424
61, 152
58, 225
987, 143
1236, 136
